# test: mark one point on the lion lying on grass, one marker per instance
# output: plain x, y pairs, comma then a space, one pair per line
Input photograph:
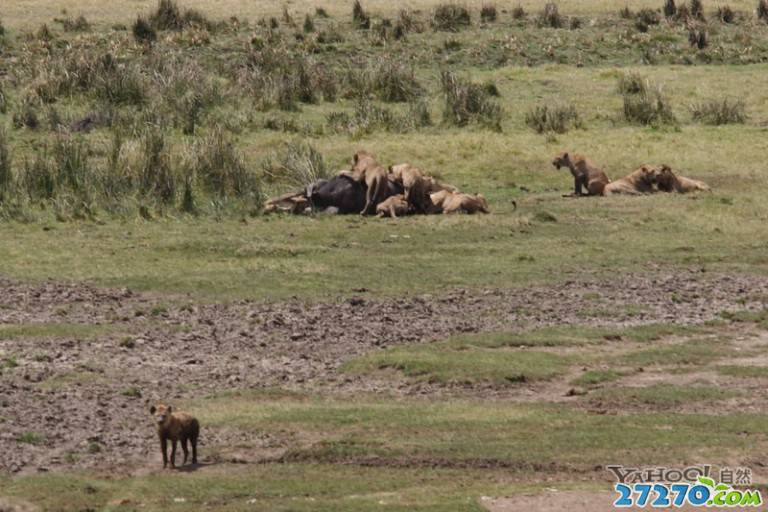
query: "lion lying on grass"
667, 181
640, 181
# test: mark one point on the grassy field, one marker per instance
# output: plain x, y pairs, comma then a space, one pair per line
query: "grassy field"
433, 426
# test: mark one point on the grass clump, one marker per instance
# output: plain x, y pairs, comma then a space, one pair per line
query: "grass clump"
467, 102
645, 18
725, 14
6, 171
698, 37
550, 16
79, 24
309, 24
393, 81
221, 169
670, 9
719, 112
168, 16
143, 31
632, 83
488, 13
648, 107
369, 117
697, 10
556, 119
298, 165
762, 10
32, 438
360, 19
156, 177
451, 17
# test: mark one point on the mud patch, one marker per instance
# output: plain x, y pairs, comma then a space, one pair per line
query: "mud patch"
81, 403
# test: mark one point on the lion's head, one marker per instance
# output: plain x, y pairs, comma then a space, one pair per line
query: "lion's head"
562, 160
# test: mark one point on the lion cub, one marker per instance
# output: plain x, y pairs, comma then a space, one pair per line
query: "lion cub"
585, 173
393, 206
176, 426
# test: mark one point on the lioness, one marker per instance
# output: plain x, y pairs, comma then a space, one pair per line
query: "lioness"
432, 186
366, 169
667, 181
585, 173
393, 206
640, 181
456, 202
293, 202
412, 180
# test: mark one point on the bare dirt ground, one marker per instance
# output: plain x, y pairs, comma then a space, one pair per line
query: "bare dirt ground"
75, 393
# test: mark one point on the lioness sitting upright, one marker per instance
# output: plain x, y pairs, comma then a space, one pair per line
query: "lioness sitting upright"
585, 173
176, 426
640, 181
366, 169
667, 181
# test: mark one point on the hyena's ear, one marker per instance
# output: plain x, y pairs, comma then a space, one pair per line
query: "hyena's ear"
152, 410
169, 410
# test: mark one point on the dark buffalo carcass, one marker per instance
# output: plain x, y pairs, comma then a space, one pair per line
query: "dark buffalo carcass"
343, 194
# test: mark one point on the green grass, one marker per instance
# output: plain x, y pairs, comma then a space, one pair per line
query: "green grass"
594, 377
747, 372
518, 435
217, 256
660, 395
439, 362
504, 359
52, 330
755, 317
32, 438
695, 352
283, 487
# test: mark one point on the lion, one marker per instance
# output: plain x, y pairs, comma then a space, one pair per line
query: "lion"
456, 202
585, 173
393, 206
640, 181
292, 202
412, 180
433, 186
667, 181
366, 169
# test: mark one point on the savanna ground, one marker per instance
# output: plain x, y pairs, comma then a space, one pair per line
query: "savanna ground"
347, 363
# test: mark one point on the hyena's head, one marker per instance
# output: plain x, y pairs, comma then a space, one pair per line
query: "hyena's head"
161, 412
